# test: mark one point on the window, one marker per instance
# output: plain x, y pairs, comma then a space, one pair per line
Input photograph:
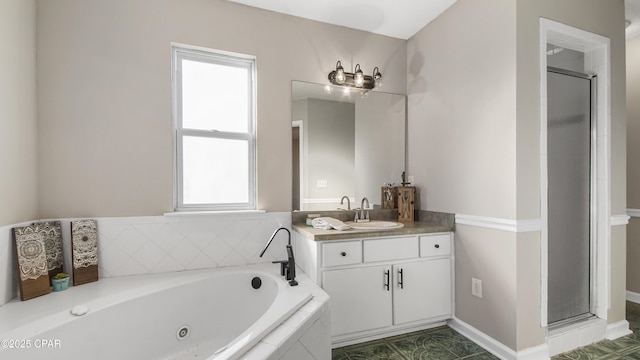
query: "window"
214, 107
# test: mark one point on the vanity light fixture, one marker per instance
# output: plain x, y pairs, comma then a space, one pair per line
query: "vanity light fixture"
357, 80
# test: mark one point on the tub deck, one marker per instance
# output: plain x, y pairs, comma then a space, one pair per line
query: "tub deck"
20, 320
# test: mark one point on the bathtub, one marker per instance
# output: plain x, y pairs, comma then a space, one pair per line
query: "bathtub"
204, 314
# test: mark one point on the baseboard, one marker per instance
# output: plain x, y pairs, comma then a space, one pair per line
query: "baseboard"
633, 297
495, 347
575, 335
618, 330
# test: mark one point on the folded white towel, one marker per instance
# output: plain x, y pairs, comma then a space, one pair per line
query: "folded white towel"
328, 223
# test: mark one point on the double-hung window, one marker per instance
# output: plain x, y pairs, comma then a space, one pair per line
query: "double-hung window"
214, 123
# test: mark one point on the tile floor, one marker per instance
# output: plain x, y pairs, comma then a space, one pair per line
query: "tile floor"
443, 343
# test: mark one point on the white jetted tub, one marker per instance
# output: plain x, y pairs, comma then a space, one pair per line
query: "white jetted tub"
204, 314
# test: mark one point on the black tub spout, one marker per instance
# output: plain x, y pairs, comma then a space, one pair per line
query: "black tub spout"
287, 267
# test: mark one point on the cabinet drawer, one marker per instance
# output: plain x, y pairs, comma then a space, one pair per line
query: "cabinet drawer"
435, 245
390, 249
341, 253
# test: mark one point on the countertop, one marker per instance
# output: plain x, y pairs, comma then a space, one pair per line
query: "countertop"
409, 228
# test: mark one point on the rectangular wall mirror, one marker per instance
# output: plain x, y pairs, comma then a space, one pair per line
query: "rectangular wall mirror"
344, 145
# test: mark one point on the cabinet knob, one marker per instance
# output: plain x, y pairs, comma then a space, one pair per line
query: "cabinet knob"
343, 253
437, 246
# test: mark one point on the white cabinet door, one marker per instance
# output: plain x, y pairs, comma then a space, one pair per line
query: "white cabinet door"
359, 298
422, 290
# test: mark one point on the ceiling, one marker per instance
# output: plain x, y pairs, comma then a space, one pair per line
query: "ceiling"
398, 19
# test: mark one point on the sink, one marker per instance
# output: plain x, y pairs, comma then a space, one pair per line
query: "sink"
375, 225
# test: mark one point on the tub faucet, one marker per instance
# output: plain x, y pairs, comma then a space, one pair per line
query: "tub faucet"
348, 202
287, 267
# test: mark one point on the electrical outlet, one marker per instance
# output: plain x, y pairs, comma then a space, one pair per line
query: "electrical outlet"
321, 183
476, 287
410, 179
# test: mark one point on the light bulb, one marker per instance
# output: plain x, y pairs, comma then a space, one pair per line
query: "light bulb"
358, 76
340, 76
377, 78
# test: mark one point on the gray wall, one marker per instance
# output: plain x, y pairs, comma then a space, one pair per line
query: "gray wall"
18, 138
104, 94
633, 166
474, 149
605, 18
462, 139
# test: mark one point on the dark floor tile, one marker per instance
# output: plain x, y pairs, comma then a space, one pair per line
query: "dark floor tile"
374, 350
588, 353
616, 345
444, 343
634, 354
339, 354
461, 346
421, 346
482, 356
626, 342
628, 353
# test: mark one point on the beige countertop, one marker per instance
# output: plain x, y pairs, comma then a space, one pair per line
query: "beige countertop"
409, 228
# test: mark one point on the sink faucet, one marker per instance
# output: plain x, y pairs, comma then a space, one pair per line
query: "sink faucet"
287, 267
348, 202
364, 216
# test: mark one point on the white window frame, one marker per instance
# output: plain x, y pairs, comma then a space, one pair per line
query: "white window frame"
180, 52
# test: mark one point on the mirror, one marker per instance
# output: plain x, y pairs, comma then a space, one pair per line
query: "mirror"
344, 144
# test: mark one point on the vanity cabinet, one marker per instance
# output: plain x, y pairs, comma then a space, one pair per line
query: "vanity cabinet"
380, 286
359, 299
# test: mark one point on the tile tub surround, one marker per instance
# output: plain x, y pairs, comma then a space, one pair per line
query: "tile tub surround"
157, 244
304, 335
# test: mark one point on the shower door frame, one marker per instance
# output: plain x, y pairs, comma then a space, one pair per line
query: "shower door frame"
593, 201
597, 54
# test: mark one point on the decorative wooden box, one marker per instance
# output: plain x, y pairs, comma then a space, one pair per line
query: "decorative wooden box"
406, 203
389, 197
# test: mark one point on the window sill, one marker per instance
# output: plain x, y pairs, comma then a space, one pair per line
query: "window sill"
208, 213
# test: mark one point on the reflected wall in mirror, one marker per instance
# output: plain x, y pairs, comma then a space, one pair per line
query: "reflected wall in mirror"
344, 144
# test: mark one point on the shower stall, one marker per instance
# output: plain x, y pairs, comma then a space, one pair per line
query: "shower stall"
570, 166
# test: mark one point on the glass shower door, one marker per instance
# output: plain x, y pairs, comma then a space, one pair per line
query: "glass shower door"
569, 204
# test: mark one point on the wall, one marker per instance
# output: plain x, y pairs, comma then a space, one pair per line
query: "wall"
104, 94
461, 106
18, 138
602, 18
474, 100
462, 139
633, 168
